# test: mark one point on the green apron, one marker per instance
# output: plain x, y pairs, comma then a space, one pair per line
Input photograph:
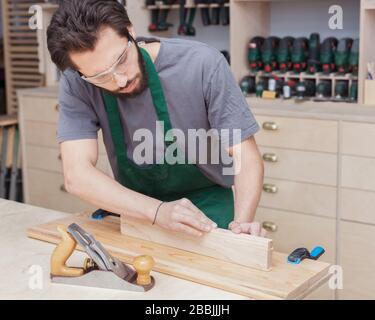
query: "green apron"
164, 181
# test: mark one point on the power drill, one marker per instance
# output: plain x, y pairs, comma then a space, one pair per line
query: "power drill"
299, 54
269, 54
327, 55
354, 57
254, 55
342, 55
284, 54
313, 62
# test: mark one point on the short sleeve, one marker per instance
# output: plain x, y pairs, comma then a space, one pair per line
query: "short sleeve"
227, 107
77, 118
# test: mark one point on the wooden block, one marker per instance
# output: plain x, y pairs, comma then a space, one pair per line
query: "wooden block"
250, 251
284, 281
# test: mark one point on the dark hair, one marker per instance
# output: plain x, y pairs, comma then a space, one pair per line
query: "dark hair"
75, 25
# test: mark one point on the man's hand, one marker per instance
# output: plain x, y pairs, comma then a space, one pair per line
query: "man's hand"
253, 228
182, 215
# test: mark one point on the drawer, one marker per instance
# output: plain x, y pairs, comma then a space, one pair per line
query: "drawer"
46, 190
357, 261
39, 109
303, 166
294, 133
300, 197
358, 173
358, 205
294, 230
358, 139
44, 135
49, 159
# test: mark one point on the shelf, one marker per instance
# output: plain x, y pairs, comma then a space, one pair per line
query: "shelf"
176, 6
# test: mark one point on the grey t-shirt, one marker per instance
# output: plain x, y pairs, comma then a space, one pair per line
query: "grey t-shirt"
200, 91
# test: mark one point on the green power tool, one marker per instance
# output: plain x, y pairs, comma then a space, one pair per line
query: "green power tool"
353, 92
284, 54
327, 55
269, 54
186, 28
254, 55
260, 87
247, 85
323, 91
341, 91
342, 55
305, 90
313, 62
354, 57
299, 54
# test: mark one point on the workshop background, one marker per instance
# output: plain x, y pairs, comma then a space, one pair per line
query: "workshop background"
310, 87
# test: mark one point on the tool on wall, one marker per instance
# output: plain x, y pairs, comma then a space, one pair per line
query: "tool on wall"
323, 91
313, 62
327, 55
205, 12
299, 54
269, 54
354, 57
217, 11
186, 27
284, 54
305, 89
353, 92
299, 254
225, 14
100, 270
159, 17
341, 91
254, 55
248, 85
342, 55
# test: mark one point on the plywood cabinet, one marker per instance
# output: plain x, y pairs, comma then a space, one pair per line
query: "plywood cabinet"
43, 179
357, 260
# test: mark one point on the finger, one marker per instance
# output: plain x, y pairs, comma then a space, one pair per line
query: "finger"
188, 230
255, 229
187, 218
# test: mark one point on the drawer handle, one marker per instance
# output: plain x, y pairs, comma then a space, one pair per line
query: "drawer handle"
269, 226
270, 157
59, 156
63, 189
57, 107
270, 188
271, 126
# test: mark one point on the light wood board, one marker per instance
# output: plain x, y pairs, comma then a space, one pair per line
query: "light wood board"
250, 251
285, 281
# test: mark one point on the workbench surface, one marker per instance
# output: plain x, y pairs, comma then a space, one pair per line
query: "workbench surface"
22, 258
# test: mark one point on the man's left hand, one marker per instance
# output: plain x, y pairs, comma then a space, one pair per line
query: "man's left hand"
253, 228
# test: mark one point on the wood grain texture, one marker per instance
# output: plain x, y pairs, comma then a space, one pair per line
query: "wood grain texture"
284, 281
251, 251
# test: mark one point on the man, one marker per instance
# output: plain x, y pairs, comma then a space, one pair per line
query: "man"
113, 82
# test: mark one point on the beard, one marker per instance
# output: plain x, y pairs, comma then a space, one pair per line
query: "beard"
141, 77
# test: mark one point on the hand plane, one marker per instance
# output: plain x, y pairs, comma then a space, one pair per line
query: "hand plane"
100, 270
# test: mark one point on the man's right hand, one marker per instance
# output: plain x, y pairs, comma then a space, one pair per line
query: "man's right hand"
183, 216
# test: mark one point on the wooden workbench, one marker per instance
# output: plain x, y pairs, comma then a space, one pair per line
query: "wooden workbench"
22, 257
20, 253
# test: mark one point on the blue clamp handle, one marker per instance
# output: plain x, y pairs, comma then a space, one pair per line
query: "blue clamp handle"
101, 214
300, 254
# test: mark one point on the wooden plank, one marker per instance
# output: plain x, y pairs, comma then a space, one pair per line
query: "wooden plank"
284, 281
251, 251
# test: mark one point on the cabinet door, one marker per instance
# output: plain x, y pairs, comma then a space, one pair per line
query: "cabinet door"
357, 247
302, 166
299, 197
296, 133
294, 230
46, 189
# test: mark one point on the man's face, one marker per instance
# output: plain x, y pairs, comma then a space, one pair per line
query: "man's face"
128, 77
